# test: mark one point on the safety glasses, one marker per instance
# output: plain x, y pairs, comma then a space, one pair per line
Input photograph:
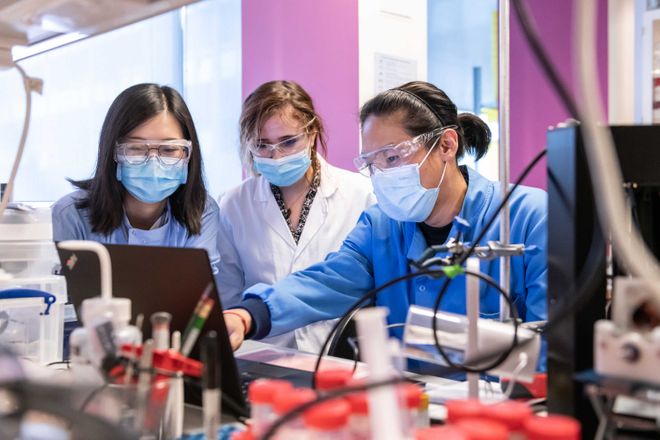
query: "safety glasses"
393, 156
169, 153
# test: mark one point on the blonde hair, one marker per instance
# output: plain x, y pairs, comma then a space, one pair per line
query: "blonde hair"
270, 98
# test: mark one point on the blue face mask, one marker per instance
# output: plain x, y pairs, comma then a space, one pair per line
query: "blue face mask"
150, 182
284, 171
402, 196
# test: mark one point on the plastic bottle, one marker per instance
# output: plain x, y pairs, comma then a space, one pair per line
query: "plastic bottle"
328, 421
410, 396
285, 402
85, 349
358, 420
423, 417
440, 433
552, 427
463, 408
332, 379
262, 393
482, 429
512, 414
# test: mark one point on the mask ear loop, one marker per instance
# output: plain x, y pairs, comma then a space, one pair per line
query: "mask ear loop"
444, 170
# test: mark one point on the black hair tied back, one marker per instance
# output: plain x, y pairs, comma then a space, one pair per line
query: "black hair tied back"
476, 135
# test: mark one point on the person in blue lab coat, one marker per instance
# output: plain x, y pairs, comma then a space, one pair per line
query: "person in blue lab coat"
412, 138
148, 187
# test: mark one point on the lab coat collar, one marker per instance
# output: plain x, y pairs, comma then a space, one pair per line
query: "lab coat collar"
479, 194
317, 215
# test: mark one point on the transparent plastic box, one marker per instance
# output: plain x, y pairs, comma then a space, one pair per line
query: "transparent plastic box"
32, 324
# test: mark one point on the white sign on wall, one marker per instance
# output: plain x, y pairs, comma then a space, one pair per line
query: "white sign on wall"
391, 71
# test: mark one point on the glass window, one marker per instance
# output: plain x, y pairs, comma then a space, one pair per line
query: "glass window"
462, 60
195, 50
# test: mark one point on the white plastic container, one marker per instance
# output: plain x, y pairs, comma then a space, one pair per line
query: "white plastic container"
31, 324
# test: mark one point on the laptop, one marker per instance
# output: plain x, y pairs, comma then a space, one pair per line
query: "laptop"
171, 279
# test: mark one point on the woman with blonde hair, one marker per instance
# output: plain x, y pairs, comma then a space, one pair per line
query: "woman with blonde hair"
294, 210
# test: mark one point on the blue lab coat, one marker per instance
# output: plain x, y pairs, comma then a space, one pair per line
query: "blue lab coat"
378, 250
71, 223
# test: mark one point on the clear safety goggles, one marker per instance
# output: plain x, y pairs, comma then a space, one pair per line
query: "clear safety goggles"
287, 147
169, 153
393, 156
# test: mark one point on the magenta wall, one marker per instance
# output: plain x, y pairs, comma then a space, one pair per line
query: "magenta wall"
316, 44
534, 105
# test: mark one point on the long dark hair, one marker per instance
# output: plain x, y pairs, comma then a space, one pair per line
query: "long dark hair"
424, 108
105, 194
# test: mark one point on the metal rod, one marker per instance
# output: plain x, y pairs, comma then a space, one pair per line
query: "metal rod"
504, 108
472, 308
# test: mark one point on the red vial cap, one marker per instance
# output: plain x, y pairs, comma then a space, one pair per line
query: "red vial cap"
328, 416
513, 414
553, 427
440, 432
460, 409
359, 403
412, 395
243, 435
482, 429
264, 391
285, 402
327, 380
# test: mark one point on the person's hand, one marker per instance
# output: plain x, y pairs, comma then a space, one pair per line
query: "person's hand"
238, 322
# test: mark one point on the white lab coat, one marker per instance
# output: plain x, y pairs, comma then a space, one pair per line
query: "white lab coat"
256, 245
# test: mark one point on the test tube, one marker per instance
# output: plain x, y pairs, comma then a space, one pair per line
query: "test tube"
160, 330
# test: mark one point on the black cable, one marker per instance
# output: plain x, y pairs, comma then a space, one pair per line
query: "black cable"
532, 36
299, 410
371, 295
434, 325
353, 342
506, 198
587, 282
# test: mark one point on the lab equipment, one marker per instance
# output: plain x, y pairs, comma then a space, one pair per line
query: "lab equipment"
262, 394
211, 385
286, 401
628, 345
328, 420
383, 403
494, 338
197, 320
358, 421
331, 379
578, 260
482, 429
160, 330
410, 397
31, 324
27, 259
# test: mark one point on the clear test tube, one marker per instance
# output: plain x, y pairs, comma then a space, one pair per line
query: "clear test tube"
513, 414
160, 330
285, 402
328, 421
262, 394
358, 421
552, 427
332, 379
410, 398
